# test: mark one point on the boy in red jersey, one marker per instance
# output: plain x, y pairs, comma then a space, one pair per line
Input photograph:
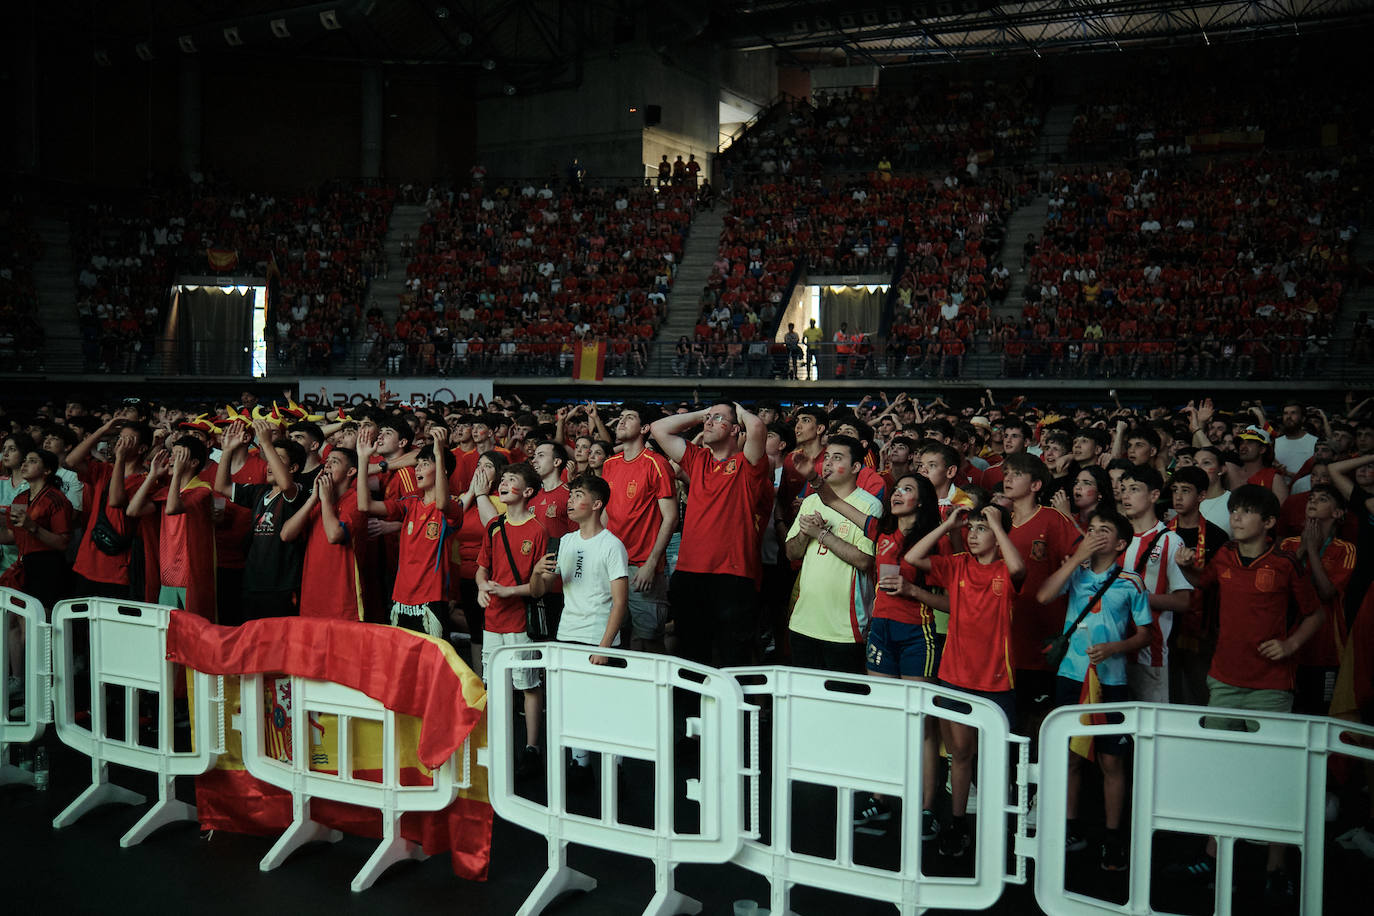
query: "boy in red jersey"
643, 513
1253, 665
187, 540
550, 503
335, 534
980, 583
713, 591
427, 517
1044, 536
512, 548
109, 575
1330, 562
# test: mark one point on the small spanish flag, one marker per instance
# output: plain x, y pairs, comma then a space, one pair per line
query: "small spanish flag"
589, 361
1082, 745
222, 259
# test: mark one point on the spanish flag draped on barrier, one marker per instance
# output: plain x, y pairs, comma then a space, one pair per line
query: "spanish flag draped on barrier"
441, 699
589, 361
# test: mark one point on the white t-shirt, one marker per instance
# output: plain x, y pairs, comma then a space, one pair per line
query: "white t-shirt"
587, 567
1215, 511
1293, 453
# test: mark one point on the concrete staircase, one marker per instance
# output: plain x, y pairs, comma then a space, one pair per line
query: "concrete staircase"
55, 278
683, 302
1357, 302
385, 292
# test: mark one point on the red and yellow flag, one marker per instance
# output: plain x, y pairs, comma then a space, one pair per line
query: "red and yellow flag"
1082, 745
441, 702
222, 258
589, 361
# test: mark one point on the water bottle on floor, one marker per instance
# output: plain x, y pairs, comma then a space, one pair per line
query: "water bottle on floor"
40, 769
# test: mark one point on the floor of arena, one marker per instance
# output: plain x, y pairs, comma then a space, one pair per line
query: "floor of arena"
83, 869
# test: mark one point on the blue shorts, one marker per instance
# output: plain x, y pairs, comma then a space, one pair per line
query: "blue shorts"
1066, 693
1004, 699
901, 649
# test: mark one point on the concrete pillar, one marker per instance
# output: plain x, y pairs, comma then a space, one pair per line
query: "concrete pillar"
190, 106
371, 124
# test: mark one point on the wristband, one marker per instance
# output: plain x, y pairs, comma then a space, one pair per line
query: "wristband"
381, 465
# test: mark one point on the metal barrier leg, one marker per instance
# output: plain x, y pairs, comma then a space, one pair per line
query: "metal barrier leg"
668, 901
393, 848
557, 880
301, 832
100, 792
167, 810
780, 897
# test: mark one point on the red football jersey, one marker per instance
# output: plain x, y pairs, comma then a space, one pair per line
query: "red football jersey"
1326, 645
551, 508
636, 487
528, 544
187, 547
889, 552
95, 564
724, 525
1044, 541
331, 586
977, 654
1253, 601
422, 568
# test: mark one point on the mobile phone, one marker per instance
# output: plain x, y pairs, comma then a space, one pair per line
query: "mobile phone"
553, 545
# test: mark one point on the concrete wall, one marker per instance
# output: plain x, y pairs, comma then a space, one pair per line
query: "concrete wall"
534, 135
752, 74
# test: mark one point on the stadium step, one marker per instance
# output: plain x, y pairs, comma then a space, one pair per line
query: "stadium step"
1054, 131
1027, 219
384, 292
54, 277
698, 255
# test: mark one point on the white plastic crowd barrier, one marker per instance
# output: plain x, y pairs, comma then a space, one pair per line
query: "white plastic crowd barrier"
1194, 775
128, 652
22, 617
861, 735
310, 699
625, 709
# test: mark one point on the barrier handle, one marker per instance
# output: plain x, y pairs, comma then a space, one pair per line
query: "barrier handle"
217, 710
1023, 845
45, 711
752, 772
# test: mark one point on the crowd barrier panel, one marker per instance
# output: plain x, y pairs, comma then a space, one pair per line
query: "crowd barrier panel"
1194, 775
128, 650
310, 698
37, 679
624, 708
859, 734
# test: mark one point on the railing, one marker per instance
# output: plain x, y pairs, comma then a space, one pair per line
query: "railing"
1278, 358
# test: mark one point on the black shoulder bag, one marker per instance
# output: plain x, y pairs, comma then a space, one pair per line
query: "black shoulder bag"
104, 535
541, 624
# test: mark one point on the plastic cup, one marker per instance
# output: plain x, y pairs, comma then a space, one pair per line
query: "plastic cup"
219, 502
746, 908
889, 569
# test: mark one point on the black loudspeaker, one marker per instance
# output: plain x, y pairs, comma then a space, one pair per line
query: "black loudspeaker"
652, 115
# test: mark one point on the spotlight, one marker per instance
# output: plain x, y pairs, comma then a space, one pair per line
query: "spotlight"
143, 51
102, 57
187, 45
510, 90
488, 64
330, 20
465, 39
232, 37
441, 12
279, 28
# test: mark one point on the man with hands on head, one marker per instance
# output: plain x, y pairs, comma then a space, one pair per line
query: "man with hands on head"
713, 592
335, 533
187, 537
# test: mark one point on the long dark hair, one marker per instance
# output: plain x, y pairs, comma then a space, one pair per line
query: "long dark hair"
927, 512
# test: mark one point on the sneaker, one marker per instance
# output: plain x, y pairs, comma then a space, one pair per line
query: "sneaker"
930, 826
1279, 889
1203, 868
528, 762
1114, 855
954, 840
1074, 841
872, 811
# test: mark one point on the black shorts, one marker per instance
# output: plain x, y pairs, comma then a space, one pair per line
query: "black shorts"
1066, 693
809, 652
715, 617
1034, 694
476, 614
1005, 699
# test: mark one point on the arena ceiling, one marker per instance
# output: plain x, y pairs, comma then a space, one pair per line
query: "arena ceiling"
533, 45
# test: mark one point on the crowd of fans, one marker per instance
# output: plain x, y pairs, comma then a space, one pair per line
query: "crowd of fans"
1148, 107
21, 334
1222, 549
507, 279
318, 249
938, 124
1232, 270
